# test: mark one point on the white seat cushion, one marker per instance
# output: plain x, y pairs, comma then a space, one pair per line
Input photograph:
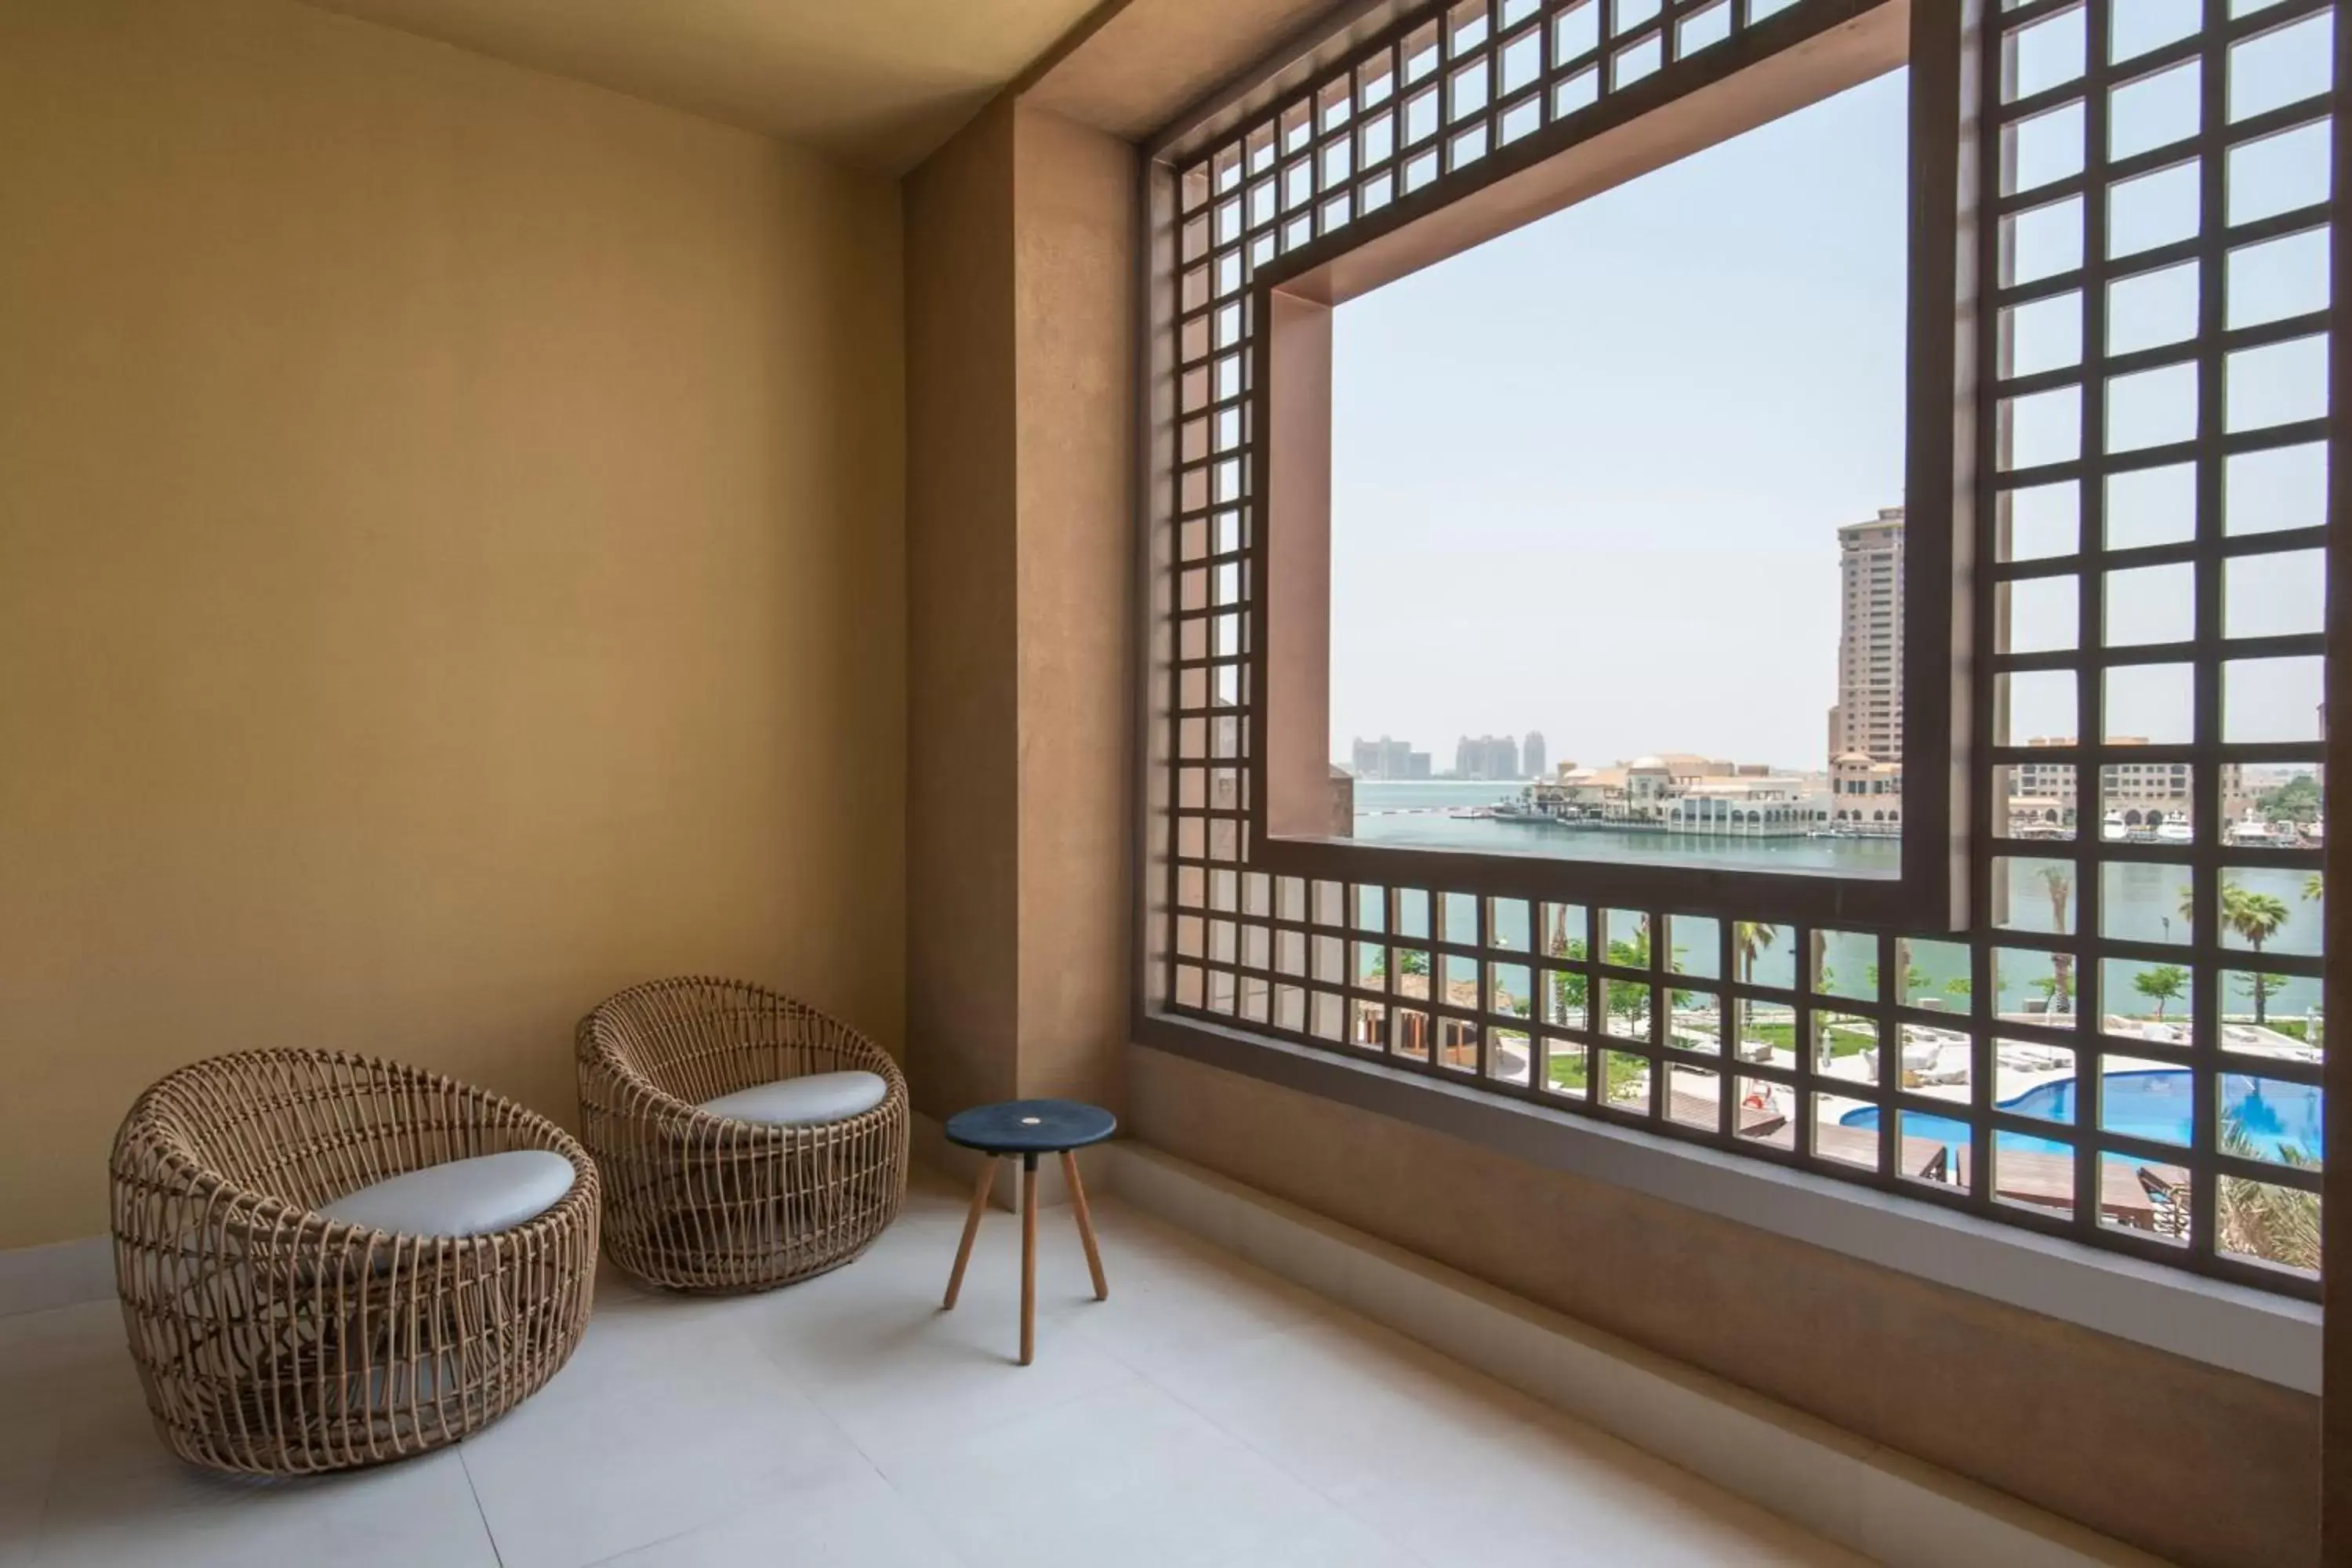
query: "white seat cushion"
798, 1101
464, 1197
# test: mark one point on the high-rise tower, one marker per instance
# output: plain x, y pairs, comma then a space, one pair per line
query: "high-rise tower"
1868, 717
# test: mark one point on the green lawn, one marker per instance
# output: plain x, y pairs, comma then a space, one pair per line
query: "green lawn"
1844, 1041
1568, 1072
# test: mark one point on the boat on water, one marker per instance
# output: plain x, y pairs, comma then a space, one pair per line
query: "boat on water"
2173, 831
2112, 827
2251, 832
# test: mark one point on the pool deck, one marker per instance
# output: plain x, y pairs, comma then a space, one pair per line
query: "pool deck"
2027, 1177
2020, 1176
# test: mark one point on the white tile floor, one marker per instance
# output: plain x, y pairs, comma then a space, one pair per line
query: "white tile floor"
1207, 1413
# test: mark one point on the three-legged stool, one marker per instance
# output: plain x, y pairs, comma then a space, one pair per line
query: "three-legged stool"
1029, 1128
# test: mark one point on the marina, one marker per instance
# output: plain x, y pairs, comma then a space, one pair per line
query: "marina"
2141, 900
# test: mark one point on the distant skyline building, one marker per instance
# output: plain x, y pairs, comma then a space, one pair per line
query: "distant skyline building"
1386, 759
1486, 757
1868, 718
1531, 754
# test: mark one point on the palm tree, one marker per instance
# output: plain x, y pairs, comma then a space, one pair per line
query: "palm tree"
1916, 978
2257, 918
2061, 965
2163, 984
2261, 987
1748, 941
2057, 990
1569, 988
2259, 1219
2315, 888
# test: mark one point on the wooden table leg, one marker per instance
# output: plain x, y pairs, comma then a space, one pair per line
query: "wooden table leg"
1028, 1259
1086, 1224
970, 1229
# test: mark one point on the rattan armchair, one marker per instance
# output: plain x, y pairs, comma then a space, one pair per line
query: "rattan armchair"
273, 1340
695, 1201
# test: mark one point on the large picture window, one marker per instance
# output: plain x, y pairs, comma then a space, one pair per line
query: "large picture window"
2123, 512
1616, 528
1593, 467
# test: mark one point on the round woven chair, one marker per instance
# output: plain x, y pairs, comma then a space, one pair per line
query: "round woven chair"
275, 1341
697, 1201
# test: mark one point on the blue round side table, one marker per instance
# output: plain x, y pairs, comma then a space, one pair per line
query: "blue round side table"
1029, 1128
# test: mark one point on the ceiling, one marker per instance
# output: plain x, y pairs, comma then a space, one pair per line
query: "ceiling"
877, 82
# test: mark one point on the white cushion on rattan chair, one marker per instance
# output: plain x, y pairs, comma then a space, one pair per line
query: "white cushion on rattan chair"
799, 1101
464, 1197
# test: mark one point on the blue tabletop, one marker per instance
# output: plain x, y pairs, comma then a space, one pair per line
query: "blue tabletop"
1030, 1126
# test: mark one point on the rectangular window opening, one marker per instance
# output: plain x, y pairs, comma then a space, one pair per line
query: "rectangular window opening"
1587, 540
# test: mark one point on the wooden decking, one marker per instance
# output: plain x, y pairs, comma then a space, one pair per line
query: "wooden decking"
2021, 1176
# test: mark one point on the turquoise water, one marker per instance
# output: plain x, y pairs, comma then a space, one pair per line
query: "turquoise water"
2155, 1105
2138, 901
1419, 820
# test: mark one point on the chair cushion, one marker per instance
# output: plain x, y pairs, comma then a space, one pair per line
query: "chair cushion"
798, 1101
464, 1197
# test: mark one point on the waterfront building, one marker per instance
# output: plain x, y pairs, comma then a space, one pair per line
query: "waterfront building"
1867, 794
1684, 792
1684, 767
2137, 794
1750, 805
1650, 786
1868, 716
1531, 754
1574, 791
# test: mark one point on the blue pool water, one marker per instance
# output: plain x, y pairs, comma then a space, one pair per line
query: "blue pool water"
2157, 1104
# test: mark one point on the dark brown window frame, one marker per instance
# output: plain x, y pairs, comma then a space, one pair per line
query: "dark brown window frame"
1769, 70
1229, 956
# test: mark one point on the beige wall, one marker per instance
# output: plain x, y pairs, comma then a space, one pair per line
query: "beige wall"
962, 696
1076, 197
1019, 326
451, 563
2197, 1465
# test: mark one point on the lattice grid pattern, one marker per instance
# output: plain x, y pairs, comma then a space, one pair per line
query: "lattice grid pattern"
2156, 429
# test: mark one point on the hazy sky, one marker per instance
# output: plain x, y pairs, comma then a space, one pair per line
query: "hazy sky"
1587, 478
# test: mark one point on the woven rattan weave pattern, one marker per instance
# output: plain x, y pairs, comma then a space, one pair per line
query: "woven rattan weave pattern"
272, 1339
697, 1201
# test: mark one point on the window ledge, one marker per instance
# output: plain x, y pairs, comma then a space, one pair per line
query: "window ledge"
2273, 1338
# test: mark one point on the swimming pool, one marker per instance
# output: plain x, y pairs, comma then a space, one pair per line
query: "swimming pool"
2156, 1104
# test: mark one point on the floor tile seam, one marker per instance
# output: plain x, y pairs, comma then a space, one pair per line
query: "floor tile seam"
1243, 1441
751, 1506
956, 1553
832, 1427
474, 1490
46, 1494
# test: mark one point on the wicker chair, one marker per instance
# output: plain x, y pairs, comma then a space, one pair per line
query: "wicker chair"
273, 1340
702, 1202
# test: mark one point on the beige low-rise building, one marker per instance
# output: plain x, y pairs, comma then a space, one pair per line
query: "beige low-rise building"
1866, 794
